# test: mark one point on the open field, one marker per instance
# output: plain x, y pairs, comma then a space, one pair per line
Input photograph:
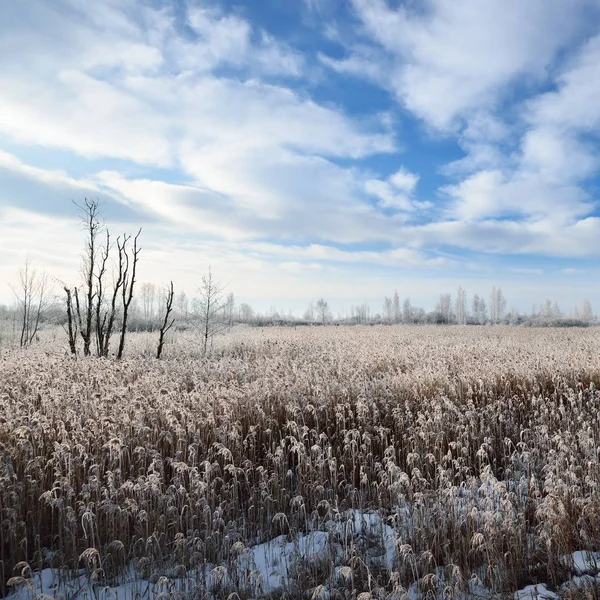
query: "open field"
311, 462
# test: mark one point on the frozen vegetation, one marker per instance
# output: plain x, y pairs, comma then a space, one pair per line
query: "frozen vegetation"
358, 463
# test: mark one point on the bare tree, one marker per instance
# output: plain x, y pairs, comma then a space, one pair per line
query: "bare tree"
71, 328
229, 309
148, 298
32, 300
182, 305
94, 312
586, 312
309, 313
397, 315
444, 307
407, 311
209, 309
460, 306
476, 308
246, 313
388, 310
497, 305
322, 311
90, 216
479, 310
106, 312
166, 325
129, 266
483, 311
360, 314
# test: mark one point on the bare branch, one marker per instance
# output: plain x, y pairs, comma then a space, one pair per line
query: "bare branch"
166, 325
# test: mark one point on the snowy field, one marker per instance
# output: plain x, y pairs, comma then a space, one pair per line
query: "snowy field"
367, 462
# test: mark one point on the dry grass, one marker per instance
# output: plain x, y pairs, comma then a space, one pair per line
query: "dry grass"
480, 446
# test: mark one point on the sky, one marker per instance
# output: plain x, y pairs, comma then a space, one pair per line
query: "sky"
308, 148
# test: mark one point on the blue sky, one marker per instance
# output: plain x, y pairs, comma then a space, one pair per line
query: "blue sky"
307, 148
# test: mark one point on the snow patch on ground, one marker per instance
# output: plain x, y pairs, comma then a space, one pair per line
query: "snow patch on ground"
279, 564
265, 568
585, 563
535, 592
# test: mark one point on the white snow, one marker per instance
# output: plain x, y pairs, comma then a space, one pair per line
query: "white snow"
586, 562
535, 592
262, 569
274, 566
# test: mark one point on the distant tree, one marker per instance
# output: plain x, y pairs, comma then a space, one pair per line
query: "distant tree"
460, 306
556, 311
497, 305
513, 316
322, 311
475, 309
229, 310
246, 313
444, 307
418, 314
479, 310
361, 314
148, 299
182, 305
309, 313
167, 321
209, 309
407, 313
397, 313
388, 310
483, 311
32, 297
587, 314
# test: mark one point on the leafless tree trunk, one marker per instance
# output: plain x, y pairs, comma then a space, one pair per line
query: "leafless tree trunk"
90, 217
128, 282
166, 325
105, 317
93, 311
71, 325
101, 318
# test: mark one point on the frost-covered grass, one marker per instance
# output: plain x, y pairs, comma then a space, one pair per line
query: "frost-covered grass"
327, 462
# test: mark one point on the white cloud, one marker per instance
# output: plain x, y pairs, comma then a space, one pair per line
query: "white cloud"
77, 95
453, 58
574, 103
516, 195
363, 61
395, 257
396, 192
543, 236
404, 180
545, 176
249, 156
253, 155
228, 40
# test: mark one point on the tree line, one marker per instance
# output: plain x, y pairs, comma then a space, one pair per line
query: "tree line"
98, 313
